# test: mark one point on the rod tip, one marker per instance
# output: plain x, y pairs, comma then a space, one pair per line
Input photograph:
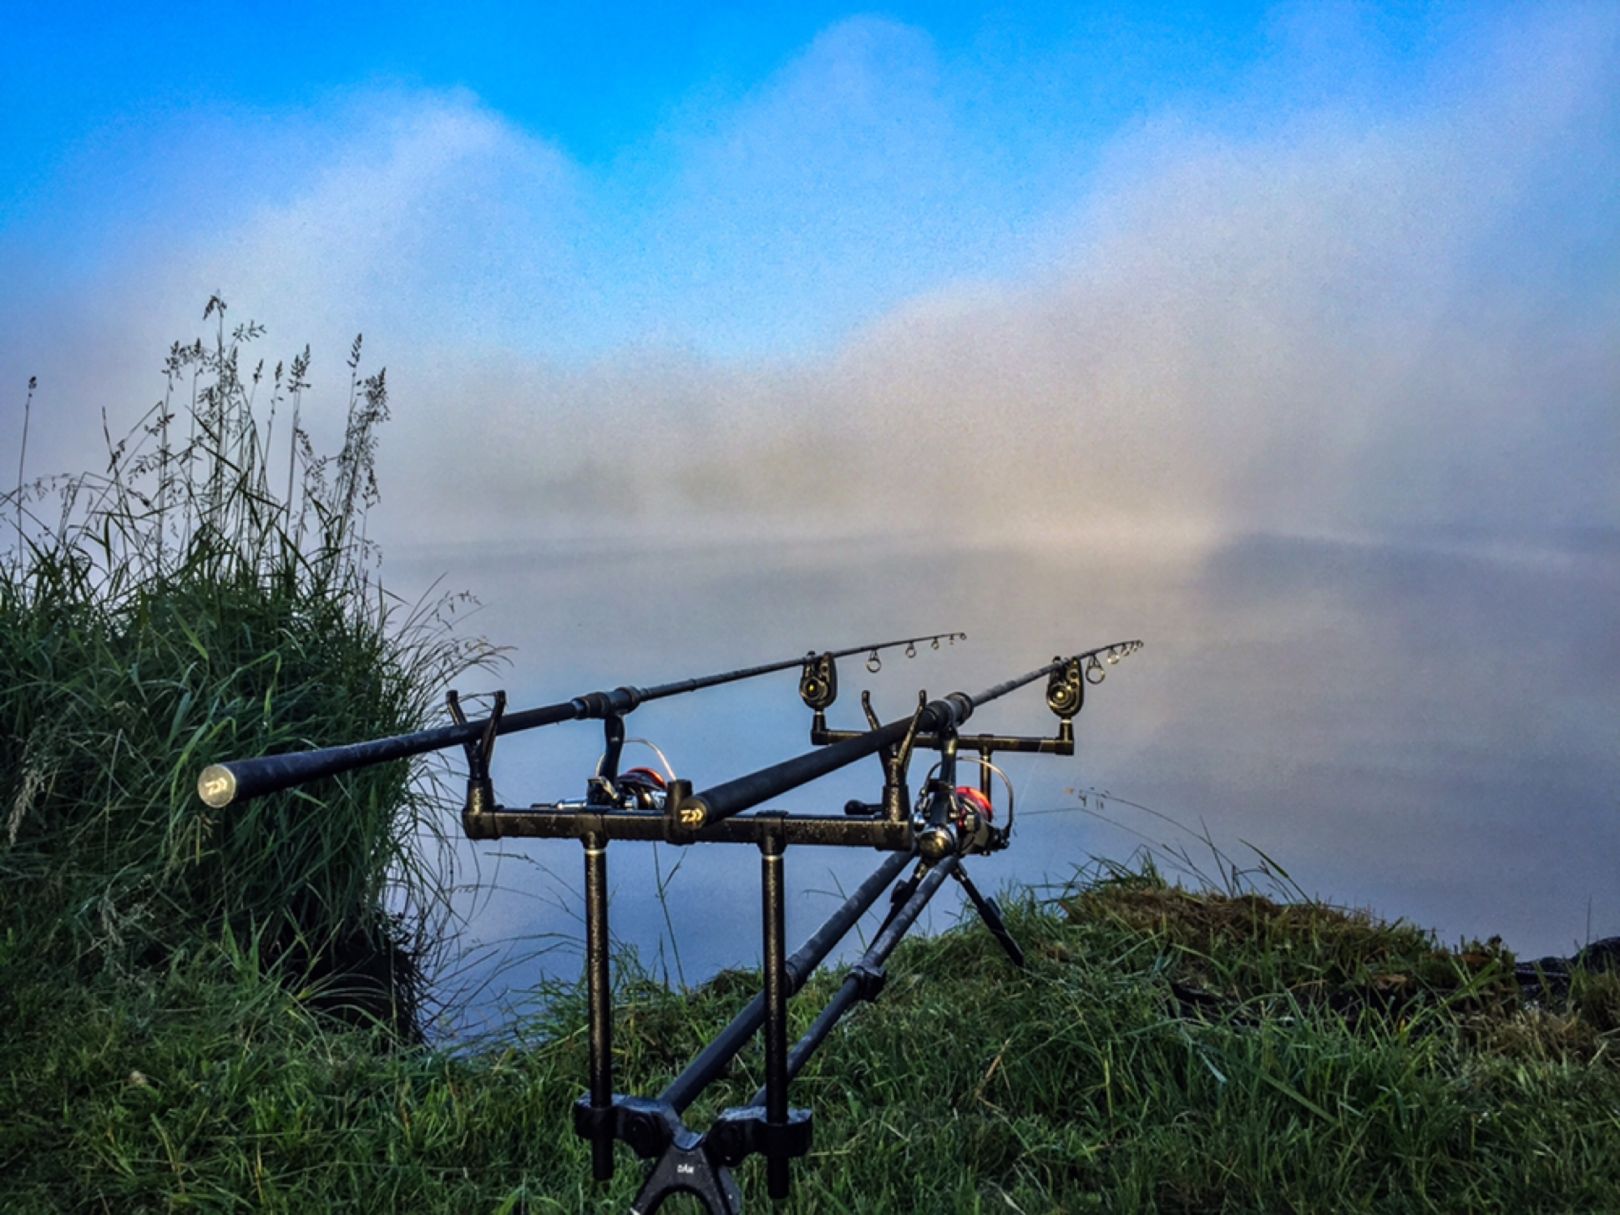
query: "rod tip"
217, 786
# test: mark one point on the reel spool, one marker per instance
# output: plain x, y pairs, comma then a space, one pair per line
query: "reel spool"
639, 788
974, 818
973, 815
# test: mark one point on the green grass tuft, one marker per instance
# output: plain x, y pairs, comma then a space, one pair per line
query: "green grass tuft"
185, 606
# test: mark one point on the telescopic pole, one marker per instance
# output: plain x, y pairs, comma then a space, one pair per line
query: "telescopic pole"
225, 784
722, 801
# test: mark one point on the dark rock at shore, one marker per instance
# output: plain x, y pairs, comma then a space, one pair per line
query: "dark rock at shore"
1599, 955
1550, 976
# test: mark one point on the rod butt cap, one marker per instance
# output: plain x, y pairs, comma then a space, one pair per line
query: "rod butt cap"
217, 786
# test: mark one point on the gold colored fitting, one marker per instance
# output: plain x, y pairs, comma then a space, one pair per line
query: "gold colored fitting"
694, 816
217, 786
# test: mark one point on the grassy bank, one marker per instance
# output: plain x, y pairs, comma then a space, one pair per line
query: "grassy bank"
1161, 1051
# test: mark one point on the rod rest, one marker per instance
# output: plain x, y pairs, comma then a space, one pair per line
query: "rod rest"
1062, 744
649, 1127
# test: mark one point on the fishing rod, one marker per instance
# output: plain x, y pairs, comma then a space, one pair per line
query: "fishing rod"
237, 780
938, 717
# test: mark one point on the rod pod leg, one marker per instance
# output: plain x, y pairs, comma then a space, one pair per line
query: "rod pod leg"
687, 1168
599, 994
991, 915
773, 925
901, 893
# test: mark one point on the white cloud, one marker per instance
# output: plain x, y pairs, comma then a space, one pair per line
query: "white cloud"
437, 216
1353, 318
1314, 327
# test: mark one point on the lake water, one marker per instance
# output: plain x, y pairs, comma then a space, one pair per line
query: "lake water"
1428, 729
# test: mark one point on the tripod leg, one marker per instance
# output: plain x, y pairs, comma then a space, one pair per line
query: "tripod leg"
597, 947
991, 915
901, 893
776, 997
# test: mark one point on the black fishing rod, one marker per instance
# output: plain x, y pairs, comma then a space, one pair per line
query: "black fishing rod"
725, 800
224, 784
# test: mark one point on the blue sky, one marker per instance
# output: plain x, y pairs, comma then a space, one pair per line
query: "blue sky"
598, 82
782, 174
1215, 244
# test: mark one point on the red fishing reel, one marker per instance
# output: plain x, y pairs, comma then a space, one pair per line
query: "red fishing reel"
974, 818
968, 800
642, 787
638, 788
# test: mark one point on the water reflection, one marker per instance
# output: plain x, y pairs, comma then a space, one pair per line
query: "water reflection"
1427, 730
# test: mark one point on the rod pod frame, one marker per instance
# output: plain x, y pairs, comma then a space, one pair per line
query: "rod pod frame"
926, 837
702, 1162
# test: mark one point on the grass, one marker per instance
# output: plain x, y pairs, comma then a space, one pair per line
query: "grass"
215, 1012
212, 594
1084, 1082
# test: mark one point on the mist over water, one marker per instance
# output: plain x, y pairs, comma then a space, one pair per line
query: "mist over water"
1425, 729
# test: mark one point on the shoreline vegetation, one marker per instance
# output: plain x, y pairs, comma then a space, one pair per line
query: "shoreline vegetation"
1164, 1050
223, 1012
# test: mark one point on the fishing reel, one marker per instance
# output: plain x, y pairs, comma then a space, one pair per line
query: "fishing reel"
967, 825
639, 788
975, 819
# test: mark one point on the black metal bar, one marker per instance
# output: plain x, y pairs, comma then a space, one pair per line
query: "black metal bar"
236, 780
866, 976
601, 1011
968, 742
814, 829
712, 1059
990, 913
773, 911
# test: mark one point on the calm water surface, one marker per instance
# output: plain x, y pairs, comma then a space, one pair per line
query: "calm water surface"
1427, 731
